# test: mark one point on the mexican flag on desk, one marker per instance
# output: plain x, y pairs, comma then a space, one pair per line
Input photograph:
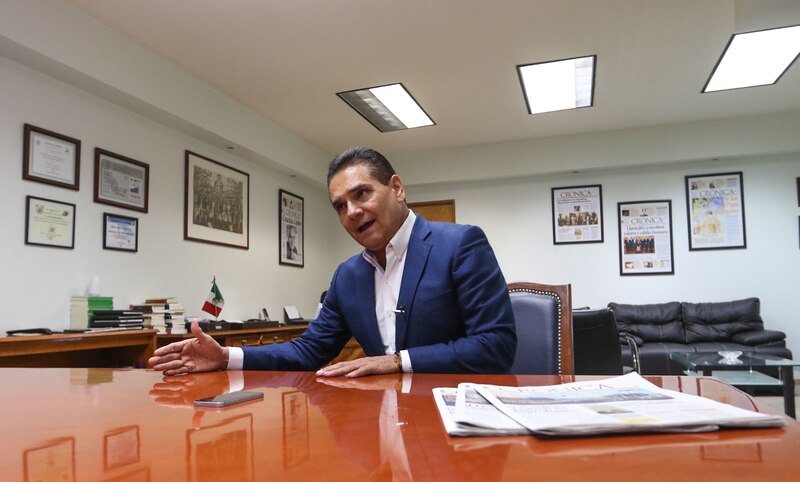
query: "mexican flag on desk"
214, 302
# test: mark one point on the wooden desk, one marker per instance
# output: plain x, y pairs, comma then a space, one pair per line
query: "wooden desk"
110, 349
101, 424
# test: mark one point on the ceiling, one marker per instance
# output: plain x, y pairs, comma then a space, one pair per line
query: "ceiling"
287, 59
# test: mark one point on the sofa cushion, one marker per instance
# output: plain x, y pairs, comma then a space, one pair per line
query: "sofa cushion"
651, 323
758, 337
720, 321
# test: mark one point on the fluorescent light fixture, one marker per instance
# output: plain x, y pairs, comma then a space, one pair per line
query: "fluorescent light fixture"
558, 84
387, 107
755, 58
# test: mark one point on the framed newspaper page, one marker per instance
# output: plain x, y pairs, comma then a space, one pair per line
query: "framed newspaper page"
715, 211
645, 237
290, 226
120, 181
577, 214
217, 203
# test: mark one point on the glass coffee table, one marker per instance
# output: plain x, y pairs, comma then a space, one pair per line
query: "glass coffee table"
740, 372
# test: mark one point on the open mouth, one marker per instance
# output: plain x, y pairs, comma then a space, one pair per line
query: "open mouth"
365, 226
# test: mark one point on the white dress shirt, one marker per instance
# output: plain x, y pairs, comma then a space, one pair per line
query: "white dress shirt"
387, 291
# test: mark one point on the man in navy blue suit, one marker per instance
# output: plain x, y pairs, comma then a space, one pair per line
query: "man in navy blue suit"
422, 297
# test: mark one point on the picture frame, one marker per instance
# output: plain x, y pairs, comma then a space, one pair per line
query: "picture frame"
120, 233
715, 211
216, 203
51, 158
577, 214
645, 238
121, 447
291, 238
49, 223
233, 437
295, 428
121, 181
53, 461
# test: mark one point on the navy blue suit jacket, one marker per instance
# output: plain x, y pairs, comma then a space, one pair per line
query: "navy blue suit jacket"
456, 317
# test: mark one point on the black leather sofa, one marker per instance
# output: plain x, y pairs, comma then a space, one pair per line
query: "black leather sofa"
659, 329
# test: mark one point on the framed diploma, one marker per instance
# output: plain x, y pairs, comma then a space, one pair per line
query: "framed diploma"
120, 233
120, 181
49, 223
645, 238
290, 227
51, 158
217, 204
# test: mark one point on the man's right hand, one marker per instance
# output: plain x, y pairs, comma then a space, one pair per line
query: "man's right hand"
199, 354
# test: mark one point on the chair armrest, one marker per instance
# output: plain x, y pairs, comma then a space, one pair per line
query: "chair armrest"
758, 337
628, 337
634, 347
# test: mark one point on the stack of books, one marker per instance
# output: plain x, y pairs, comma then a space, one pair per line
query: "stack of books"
162, 313
82, 308
117, 319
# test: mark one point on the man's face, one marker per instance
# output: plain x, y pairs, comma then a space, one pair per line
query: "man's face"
369, 211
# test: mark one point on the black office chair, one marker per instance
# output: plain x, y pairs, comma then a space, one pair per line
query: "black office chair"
597, 343
543, 315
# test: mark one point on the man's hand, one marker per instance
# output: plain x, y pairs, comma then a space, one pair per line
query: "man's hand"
371, 365
199, 354
182, 391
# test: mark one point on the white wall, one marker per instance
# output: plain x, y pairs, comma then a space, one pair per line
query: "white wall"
516, 215
37, 282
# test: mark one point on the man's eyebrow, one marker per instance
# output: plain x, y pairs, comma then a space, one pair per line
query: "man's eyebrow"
351, 190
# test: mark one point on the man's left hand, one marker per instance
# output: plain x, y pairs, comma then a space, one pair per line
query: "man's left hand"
372, 365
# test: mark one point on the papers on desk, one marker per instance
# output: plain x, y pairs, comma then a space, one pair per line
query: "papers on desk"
625, 404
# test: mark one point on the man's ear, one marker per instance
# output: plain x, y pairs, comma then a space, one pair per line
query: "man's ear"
397, 186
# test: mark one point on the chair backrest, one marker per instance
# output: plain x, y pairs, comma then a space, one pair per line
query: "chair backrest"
543, 315
596, 342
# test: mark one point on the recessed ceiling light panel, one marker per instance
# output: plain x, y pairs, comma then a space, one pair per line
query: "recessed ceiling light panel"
755, 58
558, 85
387, 107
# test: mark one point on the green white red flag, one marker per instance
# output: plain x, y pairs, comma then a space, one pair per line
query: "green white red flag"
215, 301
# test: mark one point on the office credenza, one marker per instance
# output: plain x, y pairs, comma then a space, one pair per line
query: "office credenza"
114, 349
104, 424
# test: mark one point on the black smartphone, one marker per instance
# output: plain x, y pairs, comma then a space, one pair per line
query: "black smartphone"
228, 399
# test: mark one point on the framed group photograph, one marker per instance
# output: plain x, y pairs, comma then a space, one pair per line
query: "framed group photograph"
217, 203
51, 158
49, 223
577, 214
715, 211
120, 181
120, 233
645, 237
290, 216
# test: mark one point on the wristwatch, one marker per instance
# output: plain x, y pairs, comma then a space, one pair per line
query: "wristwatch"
398, 360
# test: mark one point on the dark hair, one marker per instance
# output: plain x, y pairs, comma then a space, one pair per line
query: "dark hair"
379, 167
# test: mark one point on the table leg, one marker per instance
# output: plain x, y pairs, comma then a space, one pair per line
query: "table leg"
787, 377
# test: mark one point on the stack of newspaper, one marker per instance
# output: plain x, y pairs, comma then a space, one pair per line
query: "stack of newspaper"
624, 404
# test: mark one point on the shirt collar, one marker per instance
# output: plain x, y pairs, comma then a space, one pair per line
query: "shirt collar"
399, 241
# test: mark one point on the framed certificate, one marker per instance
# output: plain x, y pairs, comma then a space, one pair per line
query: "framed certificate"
51, 158
120, 233
120, 181
217, 203
49, 223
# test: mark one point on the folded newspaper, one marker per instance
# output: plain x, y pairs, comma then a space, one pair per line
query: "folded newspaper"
624, 404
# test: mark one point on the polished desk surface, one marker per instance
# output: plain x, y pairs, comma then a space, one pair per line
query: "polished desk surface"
106, 424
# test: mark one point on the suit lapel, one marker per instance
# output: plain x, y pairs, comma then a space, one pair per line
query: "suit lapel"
416, 259
365, 291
